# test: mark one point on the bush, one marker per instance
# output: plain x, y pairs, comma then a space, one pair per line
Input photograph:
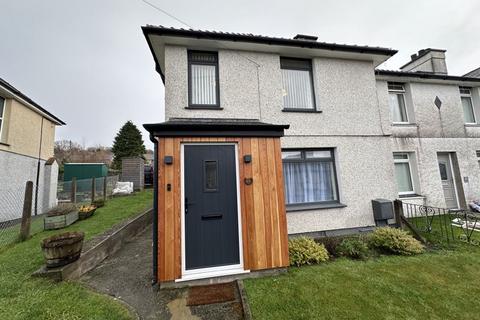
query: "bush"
306, 251
353, 248
331, 244
395, 241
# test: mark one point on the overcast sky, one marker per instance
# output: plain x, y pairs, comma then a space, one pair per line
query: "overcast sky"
87, 61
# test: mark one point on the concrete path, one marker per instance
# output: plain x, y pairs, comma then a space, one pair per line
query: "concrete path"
127, 274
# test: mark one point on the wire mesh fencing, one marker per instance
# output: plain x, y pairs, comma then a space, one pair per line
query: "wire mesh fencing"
11, 209
86, 190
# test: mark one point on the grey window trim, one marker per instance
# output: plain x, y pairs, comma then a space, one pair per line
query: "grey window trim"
308, 68
215, 106
320, 204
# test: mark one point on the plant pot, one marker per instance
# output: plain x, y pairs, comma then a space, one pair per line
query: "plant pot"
62, 249
82, 215
60, 221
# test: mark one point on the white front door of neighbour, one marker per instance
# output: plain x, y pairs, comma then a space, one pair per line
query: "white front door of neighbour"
448, 180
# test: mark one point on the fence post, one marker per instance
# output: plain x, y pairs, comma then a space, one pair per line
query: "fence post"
93, 189
73, 197
105, 188
27, 211
398, 211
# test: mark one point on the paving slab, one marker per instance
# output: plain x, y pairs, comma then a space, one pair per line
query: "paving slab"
127, 274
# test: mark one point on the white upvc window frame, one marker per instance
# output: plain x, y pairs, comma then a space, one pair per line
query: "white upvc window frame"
407, 161
2, 116
466, 92
397, 92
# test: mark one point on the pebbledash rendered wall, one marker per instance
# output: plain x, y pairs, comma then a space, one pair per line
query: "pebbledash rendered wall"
434, 131
15, 171
350, 122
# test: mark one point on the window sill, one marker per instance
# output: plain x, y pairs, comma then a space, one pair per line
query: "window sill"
410, 196
404, 124
203, 108
302, 110
4, 144
313, 206
472, 125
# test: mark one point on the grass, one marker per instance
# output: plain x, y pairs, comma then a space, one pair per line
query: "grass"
25, 297
442, 284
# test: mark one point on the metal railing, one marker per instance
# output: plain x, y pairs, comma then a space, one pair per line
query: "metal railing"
440, 225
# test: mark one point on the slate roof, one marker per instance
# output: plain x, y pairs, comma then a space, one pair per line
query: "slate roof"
21, 95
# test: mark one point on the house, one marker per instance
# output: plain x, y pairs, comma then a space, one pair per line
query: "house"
27, 133
336, 131
474, 73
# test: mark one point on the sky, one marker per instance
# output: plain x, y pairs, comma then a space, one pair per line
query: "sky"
87, 61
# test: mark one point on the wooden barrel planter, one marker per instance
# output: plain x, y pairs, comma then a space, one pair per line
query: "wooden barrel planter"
62, 249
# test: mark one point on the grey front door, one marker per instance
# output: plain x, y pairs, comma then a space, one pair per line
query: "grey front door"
211, 211
447, 177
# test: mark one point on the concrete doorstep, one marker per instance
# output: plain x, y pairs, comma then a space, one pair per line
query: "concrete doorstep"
99, 248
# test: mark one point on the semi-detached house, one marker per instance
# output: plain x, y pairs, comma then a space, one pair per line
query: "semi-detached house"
267, 136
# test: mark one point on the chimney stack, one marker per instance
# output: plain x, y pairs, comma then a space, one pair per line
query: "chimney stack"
427, 60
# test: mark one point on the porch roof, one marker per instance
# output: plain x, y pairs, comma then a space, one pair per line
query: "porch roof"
205, 127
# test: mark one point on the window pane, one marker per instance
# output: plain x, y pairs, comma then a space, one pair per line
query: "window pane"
397, 107
464, 90
400, 156
443, 170
203, 83
297, 89
404, 180
291, 155
309, 182
468, 110
211, 175
395, 86
318, 154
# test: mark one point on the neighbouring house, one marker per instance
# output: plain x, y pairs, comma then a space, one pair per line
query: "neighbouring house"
297, 136
27, 133
474, 73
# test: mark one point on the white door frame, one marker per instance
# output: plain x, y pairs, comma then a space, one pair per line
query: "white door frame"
452, 173
202, 273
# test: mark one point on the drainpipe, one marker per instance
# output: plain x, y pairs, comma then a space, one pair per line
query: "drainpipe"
155, 211
38, 168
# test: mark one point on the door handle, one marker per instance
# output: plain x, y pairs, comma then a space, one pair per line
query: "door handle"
187, 204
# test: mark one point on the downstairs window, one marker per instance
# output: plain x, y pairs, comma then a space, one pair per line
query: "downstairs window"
310, 176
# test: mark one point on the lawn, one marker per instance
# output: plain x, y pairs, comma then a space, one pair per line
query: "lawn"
25, 297
435, 285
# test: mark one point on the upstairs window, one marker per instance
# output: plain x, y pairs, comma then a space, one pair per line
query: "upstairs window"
2, 112
297, 84
203, 88
398, 110
467, 104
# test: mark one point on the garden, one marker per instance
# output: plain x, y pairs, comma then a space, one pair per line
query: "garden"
25, 297
384, 275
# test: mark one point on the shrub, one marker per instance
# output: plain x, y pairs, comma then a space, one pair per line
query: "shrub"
353, 248
395, 241
304, 250
331, 244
